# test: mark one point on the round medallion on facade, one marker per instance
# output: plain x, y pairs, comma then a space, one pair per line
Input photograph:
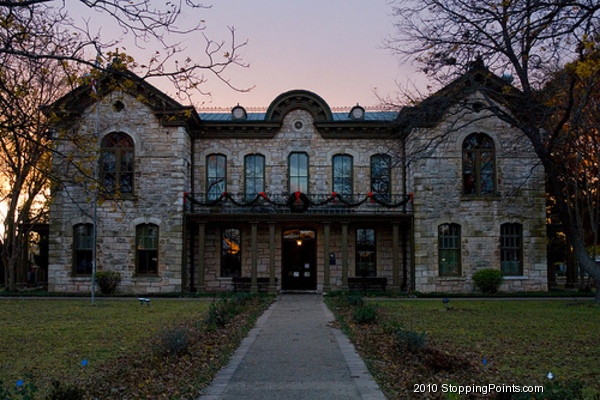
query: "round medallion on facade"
298, 125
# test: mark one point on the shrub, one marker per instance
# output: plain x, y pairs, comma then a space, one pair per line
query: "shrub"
108, 281
355, 300
411, 340
365, 314
488, 280
172, 341
222, 311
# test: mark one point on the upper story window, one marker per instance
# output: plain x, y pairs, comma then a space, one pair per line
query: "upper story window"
216, 176
511, 249
83, 244
342, 174
381, 167
117, 163
254, 167
478, 165
147, 249
449, 250
298, 172
366, 251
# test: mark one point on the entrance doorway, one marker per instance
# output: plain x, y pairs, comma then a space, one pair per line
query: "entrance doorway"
299, 260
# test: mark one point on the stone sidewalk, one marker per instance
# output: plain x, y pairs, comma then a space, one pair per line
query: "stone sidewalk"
294, 353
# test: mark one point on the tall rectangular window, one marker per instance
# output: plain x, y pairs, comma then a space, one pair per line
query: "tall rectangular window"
147, 249
366, 251
511, 249
83, 244
216, 176
254, 167
298, 172
342, 174
449, 250
381, 166
231, 252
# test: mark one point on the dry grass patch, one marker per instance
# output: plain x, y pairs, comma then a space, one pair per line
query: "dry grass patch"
416, 342
51, 338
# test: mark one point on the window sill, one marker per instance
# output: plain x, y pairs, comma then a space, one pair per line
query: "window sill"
147, 277
81, 277
123, 197
451, 278
225, 278
515, 277
496, 197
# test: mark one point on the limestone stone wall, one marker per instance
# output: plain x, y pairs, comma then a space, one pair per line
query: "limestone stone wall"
436, 180
276, 151
162, 175
288, 140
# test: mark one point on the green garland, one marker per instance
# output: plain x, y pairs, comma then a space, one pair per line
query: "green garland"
297, 201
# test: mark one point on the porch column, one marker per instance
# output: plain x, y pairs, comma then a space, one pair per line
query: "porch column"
395, 257
201, 256
272, 286
413, 279
345, 256
326, 266
254, 255
405, 232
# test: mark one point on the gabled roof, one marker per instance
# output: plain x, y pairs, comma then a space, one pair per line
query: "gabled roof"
169, 111
478, 78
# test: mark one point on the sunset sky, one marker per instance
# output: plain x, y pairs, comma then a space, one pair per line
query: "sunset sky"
332, 47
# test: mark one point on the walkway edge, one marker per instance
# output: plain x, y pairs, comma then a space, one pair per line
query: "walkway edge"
216, 388
362, 378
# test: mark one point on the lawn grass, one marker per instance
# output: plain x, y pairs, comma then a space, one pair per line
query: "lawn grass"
51, 338
521, 341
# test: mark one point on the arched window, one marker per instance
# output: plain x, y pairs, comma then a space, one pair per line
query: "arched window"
216, 175
147, 249
381, 171
298, 172
254, 168
117, 163
449, 250
342, 174
479, 169
511, 249
83, 244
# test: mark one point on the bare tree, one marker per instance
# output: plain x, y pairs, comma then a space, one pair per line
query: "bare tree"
44, 52
25, 153
528, 40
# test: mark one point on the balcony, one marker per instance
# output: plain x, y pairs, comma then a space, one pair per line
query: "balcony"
298, 203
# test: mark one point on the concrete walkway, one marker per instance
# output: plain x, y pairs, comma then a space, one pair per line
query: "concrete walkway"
294, 353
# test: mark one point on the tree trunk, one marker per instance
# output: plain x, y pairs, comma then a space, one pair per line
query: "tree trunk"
572, 227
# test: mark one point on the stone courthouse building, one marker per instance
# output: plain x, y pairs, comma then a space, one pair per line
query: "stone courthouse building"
294, 198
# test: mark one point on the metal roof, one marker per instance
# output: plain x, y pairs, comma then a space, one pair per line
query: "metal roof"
337, 116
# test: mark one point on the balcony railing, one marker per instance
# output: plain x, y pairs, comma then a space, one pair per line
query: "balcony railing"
270, 203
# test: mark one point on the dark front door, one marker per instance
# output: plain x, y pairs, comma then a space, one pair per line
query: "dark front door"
299, 260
